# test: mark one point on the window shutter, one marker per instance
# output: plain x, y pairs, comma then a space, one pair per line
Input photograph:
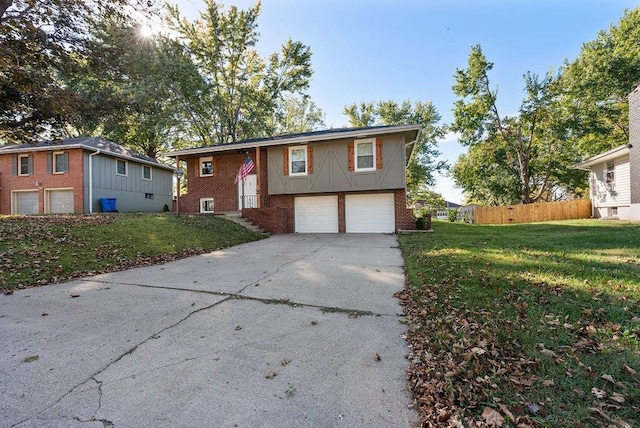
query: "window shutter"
14, 165
49, 162
351, 163
65, 158
309, 160
214, 165
30, 164
285, 157
378, 153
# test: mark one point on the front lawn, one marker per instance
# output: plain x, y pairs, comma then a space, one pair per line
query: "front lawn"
38, 250
525, 325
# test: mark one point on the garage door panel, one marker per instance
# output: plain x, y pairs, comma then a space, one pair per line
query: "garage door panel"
316, 214
60, 201
27, 202
370, 213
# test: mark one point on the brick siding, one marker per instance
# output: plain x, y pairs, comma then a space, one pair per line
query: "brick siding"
405, 219
42, 180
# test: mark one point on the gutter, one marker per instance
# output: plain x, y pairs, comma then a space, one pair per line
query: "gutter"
91, 180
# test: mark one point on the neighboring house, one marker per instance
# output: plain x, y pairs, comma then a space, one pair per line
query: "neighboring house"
443, 213
465, 213
614, 181
333, 181
72, 176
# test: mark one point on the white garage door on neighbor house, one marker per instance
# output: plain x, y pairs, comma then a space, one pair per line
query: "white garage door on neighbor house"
26, 202
59, 201
316, 214
370, 213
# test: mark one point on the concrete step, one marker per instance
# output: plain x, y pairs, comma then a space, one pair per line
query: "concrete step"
237, 218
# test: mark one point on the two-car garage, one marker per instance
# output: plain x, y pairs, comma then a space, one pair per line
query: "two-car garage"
363, 213
57, 201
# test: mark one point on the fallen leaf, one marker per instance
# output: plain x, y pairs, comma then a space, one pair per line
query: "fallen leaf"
285, 361
44, 314
73, 296
32, 358
608, 377
492, 417
478, 351
549, 383
314, 322
271, 375
599, 393
548, 352
629, 369
377, 357
618, 398
238, 327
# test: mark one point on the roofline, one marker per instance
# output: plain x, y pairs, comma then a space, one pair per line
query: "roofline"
310, 137
85, 147
602, 157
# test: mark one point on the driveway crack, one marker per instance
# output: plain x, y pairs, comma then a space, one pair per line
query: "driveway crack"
107, 423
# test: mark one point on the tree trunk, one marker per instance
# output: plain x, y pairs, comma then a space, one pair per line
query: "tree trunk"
4, 5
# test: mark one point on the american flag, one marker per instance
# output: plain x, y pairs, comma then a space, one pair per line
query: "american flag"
245, 169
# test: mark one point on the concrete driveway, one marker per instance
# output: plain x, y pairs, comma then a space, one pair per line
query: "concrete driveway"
291, 331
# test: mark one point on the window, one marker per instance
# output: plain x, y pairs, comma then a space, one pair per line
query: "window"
24, 165
365, 155
610, 173
206, 205
146, 172
148, 195
121, 167
60, 163
206, 167
298, 160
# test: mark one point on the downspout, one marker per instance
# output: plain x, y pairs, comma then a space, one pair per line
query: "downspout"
91, 180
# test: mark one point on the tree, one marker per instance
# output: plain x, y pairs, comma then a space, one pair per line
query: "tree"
238, 92
596, 85
295, 115
533, 144
422, 164
37, 41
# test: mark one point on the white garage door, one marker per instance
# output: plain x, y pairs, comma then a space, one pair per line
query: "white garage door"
316, 214
370, 213
60, 201
26, 203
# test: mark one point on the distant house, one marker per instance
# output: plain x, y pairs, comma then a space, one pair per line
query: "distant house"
443, 213
614, 181
73, 175
348, 180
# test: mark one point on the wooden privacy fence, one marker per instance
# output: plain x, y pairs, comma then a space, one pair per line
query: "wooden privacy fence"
530, 213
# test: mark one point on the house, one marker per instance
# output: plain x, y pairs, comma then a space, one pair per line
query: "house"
614, 179
73, 175
443, 213
348, 180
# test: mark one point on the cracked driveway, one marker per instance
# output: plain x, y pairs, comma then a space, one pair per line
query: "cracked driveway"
290, 331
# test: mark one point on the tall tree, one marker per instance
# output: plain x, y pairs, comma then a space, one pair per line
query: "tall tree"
597, 83
534, 142
37, 41
239, 91
296, 115
423, 163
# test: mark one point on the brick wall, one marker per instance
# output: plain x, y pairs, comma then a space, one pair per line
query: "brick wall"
634, 140
41, 179
220, 186
404, 216
275, 220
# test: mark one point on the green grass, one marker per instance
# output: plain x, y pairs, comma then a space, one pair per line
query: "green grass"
526, 320
37, 250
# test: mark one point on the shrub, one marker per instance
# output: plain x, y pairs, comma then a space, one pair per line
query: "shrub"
165, 208
453, 215
421, 222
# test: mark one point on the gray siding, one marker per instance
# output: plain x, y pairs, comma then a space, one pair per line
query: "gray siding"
129, 191
331, 172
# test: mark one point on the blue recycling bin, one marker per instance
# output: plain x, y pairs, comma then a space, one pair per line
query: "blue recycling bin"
108, 205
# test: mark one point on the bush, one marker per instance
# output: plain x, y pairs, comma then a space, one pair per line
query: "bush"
453, 215
165, 208
421, 223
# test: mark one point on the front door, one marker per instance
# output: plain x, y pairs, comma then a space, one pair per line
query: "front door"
250, 192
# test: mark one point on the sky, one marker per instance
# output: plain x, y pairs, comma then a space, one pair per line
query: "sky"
371, 50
